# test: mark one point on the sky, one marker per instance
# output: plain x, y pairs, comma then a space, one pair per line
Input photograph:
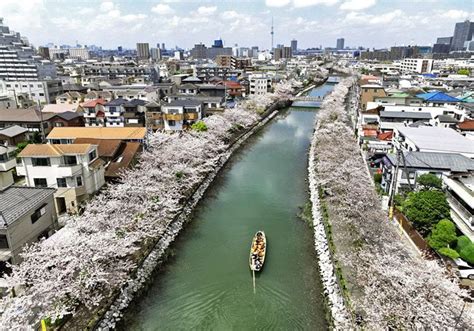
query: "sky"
112, 23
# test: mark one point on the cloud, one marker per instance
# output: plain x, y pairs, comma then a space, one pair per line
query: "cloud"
162, 9
106, 6
22, 15
354, 5
308, 3
277, 3
455, 14
299, 3
203, 10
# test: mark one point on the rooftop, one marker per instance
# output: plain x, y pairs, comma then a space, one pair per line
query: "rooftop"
405, 114
105, 147
437, 97
17, 201
13, 131
130, 133
54, 149
432, 160
438, 139
183, 103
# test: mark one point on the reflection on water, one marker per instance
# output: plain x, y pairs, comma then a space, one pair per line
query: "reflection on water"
207, 284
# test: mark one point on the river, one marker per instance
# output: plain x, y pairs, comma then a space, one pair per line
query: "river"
206, 284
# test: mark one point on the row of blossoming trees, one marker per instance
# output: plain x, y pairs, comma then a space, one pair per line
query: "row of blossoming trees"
388, 285
95, 253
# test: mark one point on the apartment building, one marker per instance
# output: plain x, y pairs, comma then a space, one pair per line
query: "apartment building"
74, 170
7, 164
44, 91
260, 84
421, 66
459, 189
180, 114
27, 214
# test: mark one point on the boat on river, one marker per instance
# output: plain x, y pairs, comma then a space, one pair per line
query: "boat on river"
258, 251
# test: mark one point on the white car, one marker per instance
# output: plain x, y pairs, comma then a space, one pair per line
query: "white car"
465, 269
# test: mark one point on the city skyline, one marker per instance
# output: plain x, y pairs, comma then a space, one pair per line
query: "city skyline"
312, 22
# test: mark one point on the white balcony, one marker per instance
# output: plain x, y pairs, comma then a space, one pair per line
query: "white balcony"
113, 114
7, 165
90, 115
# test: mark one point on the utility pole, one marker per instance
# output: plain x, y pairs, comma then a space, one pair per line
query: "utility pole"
42, 126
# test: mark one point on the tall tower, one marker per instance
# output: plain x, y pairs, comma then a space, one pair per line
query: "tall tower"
271, 32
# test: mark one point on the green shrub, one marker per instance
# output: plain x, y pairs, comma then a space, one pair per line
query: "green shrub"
449, 252
463, 241
199, 126
426, 208
179, 174
429, 181
442, 235
467, 253
378, 178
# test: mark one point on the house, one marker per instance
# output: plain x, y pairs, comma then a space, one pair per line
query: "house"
179, 114
432, 139
437, 99
188, 89
75, 170
13, 135
117, 154
466, 128
7, 164
69, 135
134, 113
408, 168
390, 120
445, 121
71, 97
94, 112
114, 113
154, 116
26, 215
369, 92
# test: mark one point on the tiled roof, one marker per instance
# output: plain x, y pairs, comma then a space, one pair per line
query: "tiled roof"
405, 114
466, 125
23, 115
105, 147
93, 103
437, 97
13, 131
98, 132
54, 149
17, 201
116, 102
127, 156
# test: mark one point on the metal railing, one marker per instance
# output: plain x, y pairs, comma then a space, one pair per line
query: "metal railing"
466, 214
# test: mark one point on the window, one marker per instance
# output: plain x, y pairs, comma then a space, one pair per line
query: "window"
40, 162
61, 182
112, 109
70, 160
3, 241
58, 124
38, 213
92, 155
79, 180
41, 94
171, 123
40, 182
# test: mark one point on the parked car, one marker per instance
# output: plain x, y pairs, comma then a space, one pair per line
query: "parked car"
465, 270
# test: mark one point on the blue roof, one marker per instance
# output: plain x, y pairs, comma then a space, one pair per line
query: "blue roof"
430, 75
437, 97
116, 102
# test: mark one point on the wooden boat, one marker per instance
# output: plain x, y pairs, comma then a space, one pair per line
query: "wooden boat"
258, 251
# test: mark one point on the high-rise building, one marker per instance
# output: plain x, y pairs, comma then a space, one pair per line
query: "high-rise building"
81, 53
444, 40
119, 49
163, 47
43, 52
462, 32
143, 51
287, 52
218, 43
340, 43
155, 53
18, 60
294, 45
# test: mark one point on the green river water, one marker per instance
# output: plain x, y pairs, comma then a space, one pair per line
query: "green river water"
207, 284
